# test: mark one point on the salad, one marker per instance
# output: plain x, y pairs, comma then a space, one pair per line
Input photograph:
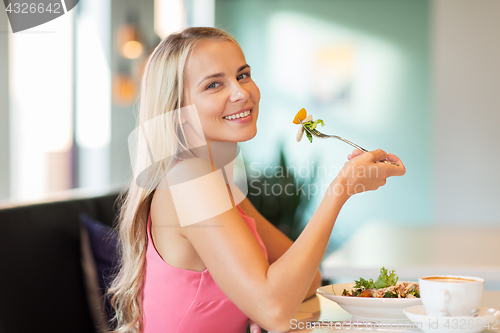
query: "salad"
386, 286
307, 121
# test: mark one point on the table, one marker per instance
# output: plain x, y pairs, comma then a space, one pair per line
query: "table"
413, 251
320, 308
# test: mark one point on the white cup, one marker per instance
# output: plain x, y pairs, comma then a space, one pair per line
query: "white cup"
450, 295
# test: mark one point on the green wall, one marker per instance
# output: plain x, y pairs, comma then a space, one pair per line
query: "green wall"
386, 102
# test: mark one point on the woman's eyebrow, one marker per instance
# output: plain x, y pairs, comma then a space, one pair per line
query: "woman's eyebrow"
211, 76
222, 74
243, 67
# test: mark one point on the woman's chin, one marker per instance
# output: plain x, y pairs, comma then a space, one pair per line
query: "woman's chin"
239, 136
247, 137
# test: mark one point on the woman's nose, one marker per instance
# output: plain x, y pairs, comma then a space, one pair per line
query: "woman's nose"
238, 93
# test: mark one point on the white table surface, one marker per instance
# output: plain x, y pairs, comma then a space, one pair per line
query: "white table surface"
319, 308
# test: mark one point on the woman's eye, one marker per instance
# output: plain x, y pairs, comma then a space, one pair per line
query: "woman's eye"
213, 85
243, 76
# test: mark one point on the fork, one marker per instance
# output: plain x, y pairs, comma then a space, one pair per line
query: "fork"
318, 134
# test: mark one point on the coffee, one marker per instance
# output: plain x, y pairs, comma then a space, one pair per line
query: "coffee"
448, 279
450, 295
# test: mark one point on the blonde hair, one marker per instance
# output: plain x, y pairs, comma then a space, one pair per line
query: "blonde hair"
161, 91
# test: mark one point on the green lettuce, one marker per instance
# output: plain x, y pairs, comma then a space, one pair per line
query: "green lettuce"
362, 283
312, 125
385, 279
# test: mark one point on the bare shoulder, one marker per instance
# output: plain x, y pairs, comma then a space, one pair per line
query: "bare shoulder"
163, 210
162, 206
170, 244
187, 170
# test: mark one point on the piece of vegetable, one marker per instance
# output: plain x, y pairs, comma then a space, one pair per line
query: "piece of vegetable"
302, 114
315, 123
415, 292
301, 128
362, 283
386, 279
309, 136
300, 133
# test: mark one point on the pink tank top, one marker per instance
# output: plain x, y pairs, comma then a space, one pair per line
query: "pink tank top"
177, 300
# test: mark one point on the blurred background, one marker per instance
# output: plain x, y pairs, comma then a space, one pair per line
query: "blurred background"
418, 78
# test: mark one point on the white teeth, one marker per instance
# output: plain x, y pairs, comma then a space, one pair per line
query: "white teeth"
239, 115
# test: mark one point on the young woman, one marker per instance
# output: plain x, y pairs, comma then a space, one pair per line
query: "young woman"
196, 256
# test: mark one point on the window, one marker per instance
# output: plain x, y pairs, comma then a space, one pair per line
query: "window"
40, 64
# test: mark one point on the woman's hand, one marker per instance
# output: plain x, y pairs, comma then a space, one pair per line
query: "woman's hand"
366, 171
254, 328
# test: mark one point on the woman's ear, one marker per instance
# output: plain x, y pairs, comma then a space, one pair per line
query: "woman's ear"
182, 115
182, 118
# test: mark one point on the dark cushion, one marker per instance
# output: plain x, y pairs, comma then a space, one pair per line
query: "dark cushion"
103, 242
104, 245
40, 259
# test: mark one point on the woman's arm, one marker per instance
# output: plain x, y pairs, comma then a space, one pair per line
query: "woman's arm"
271, 294
276, 242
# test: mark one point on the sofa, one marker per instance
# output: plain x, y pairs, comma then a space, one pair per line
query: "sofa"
43, 280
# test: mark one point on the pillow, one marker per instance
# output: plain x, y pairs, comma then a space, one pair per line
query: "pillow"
99, 262
94, 294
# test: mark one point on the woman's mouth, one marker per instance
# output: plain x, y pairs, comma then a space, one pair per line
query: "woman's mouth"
240, 117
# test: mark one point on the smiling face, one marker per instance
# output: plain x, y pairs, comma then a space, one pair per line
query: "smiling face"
217, 81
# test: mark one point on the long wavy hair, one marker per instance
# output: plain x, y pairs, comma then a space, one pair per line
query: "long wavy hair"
160, 98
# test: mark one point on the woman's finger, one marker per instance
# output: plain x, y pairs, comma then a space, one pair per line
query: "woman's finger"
401, 170
355, 152
254, 328
391, 169
378, 155
393, 158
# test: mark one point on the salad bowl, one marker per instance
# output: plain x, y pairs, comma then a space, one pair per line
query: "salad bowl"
368, 308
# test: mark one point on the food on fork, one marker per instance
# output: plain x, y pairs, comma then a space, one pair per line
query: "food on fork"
386, 286
300, 115
300, 133
307, 121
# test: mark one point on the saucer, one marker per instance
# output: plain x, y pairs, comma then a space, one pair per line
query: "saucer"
486, 318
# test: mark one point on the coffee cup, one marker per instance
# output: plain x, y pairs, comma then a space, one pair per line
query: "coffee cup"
450, 295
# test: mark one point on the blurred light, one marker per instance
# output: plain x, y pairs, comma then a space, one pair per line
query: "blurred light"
342, 69
129, 41
132, 49
202, 13
332, 73
170, 16
93, 123
41, 106
124, 90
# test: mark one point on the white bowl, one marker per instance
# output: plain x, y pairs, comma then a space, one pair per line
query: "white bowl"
368, 308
